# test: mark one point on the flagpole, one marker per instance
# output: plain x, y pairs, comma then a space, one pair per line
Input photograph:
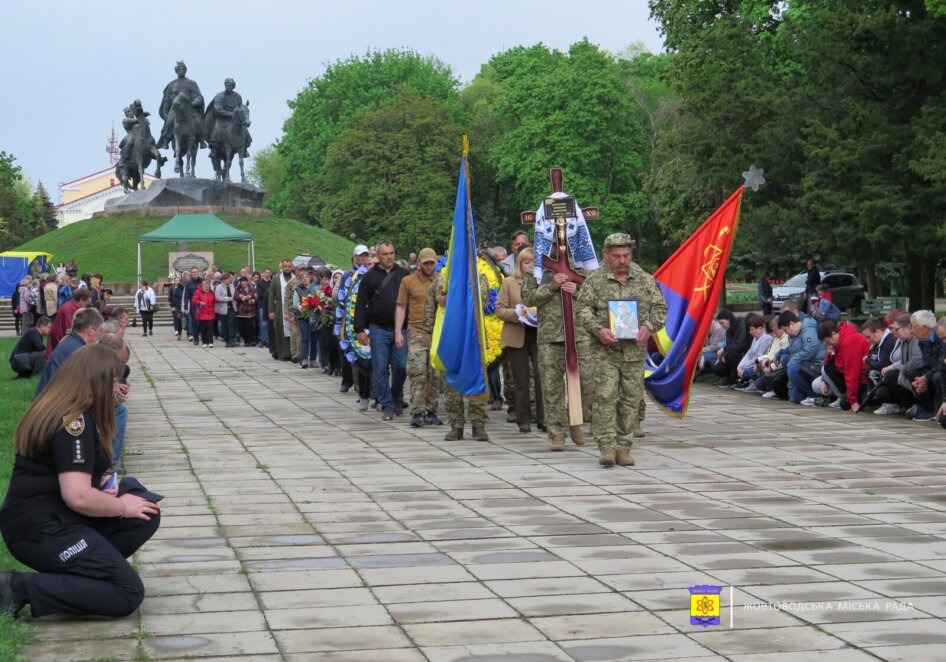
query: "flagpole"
474, 271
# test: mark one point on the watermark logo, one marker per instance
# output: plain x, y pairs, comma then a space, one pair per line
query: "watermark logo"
704, 604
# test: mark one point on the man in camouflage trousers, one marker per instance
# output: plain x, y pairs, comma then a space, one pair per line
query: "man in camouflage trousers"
452, 400
294, 336
411, 301
551, 341
619, 364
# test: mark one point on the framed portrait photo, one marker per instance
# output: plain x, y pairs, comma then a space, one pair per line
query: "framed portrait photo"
622, 318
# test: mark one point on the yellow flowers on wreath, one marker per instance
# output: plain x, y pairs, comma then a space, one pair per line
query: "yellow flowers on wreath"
494, 325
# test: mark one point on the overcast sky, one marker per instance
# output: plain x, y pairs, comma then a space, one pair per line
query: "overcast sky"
72, 66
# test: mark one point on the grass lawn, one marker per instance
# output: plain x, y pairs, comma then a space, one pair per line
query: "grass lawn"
17, 394
109, 245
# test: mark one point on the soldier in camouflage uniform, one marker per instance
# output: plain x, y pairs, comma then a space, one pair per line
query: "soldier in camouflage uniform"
294, 336
551, 341
424, 380
619, 365
453, 401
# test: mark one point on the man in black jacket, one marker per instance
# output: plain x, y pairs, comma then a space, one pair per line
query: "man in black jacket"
738, 340
374, 314
29, 356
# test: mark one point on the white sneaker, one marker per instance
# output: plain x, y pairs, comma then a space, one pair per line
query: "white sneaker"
768, 395
808, 402
836, 404
886, 409
210, 345
363, 405
204, 345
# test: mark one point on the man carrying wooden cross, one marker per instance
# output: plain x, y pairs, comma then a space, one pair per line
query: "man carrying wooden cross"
561, 241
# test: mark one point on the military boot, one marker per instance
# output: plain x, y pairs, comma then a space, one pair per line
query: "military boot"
577, 435
607, 458
640, 434
558, 443
623, 457
479, 433
455, 434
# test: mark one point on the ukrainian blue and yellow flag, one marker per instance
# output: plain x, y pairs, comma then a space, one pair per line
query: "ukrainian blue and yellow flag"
458, 345
692, 281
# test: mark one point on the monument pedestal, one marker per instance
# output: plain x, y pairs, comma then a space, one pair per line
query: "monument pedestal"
188, 192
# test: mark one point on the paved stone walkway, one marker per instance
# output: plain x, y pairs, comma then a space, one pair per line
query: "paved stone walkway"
296, 528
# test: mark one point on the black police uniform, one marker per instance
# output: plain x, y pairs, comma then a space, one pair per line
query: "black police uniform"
80, 560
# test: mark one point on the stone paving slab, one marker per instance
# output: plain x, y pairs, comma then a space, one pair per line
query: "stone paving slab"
298, 528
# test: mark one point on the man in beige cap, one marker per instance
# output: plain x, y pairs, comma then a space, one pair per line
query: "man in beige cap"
425, 381
619, 364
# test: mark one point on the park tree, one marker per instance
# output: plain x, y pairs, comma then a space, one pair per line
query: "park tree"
45, 210
840, 102
325, 106
546, 108
391, 173
20, 219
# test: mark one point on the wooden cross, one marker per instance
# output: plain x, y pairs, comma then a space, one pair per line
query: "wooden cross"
560, 209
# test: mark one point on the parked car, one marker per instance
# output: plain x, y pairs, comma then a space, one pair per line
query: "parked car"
844, 287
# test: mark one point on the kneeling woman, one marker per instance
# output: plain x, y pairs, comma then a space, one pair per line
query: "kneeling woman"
59, 517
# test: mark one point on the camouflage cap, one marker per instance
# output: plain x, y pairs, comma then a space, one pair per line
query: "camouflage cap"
618, 239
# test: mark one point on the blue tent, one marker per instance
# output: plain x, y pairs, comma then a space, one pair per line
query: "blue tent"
15, 265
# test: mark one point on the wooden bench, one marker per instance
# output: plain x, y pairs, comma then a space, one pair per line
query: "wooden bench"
878, 307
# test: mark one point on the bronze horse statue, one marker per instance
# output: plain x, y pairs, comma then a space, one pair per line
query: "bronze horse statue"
230, 138
186, 132
138, 149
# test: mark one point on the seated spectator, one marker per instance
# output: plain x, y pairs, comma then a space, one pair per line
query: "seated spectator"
747, 369
806, 354
29, 356
61, 516
715, 340
881, 349
120, 347
844, 371
940, 383
824, 308
737, 344
86, 330
923, 323
771, 371
896, 392
63, 321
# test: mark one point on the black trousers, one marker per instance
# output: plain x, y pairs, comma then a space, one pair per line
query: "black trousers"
521, 359
178, 321
727, 367
890, 392
206, 328
247, 326
82, 569
329, 356
348, 377
147, 321
28, 365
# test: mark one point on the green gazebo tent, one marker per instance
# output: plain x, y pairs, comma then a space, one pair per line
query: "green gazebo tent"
197, 227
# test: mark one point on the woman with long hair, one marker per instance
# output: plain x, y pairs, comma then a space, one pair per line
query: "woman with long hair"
520, 341
63, 515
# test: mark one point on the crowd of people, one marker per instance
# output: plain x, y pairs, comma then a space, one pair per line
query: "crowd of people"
895, 366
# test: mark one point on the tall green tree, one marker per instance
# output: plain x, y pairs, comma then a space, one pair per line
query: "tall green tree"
839, 102
570, 110
328, 103
19, 219
391, 173
45, 209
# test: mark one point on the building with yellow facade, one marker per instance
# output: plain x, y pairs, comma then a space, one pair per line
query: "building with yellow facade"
82, 197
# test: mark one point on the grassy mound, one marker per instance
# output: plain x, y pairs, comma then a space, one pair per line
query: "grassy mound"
109, 245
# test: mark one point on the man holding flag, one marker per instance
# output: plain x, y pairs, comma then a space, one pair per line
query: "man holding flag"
619, 364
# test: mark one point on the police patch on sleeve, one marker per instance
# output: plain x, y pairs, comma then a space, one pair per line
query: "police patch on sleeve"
75, 426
